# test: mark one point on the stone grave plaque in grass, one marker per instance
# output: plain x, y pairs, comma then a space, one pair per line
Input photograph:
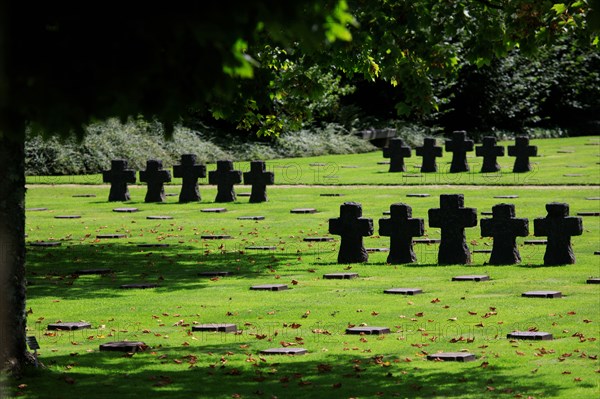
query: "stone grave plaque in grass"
593, 198
404, 291
472, 277
593, 280
67, 217
367, 330
103, 236
504, 228
351, 227
69, 326
331, 195
482, 251
530, 335
213, 210
261, 248
124, 346
452, 357
45, 244
487, 213
190, 171
429, 151
251, 218
84, 195
303, 210
596, 252
522, 151
542, 294
558, 226
401, 227
383, 163
396, 151
36, 209
139, 286
153, 245
215, 273
490, 152
509, 196
452, 218
565, 151
318, 239
226, 328
340, 276
588, 213
386, 213
284, 351
269, 287
215, 237
244, 194
349, 167
371, 250
159, 217
535, 242
155, 178
459, 145
427, 241
85, 272
225, 177
418, 195
259, 178
573, 175
125, 210
317, 164
118, 176
576, 166
171, 194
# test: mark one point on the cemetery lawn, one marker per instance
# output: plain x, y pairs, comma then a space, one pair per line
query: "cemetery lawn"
313, 313
564, 161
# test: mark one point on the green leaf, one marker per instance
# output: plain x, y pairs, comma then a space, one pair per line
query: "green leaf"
559, 8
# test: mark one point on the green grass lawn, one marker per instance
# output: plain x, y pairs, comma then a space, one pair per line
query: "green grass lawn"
313, 313
557, 157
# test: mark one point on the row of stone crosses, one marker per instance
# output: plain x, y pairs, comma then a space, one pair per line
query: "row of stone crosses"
459, 145
225, 177
452, 218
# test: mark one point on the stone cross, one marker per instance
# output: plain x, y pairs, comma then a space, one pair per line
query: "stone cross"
118, 176
190, 172
504, 228
225, 178
156, 177
429, 151
522, 151
489, 151
452, 217
352, 227
259, 178
397, 151
558, 226
458, 145
401, 227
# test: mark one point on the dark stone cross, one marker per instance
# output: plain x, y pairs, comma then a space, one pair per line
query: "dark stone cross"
352, 227
259, 178
190, 172
225, 178
452, 217
504, 228
429, 151
118, 176
401, 227
522, 151
458, 145
397, 151
558, 226
489, 151
156, 177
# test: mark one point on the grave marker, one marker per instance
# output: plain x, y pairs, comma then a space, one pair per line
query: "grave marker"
352, 227
216, 273
401, 227
284, 351
459, 145
303, 210
125, 210
155, 177
68, 326
225, 177
318, 239
259, 178
215, 237
213, 210
404, 291
83, 272
452, 218
530, 335
159, 217
226, 328
139, 286
522, 151
118, 176
67, 217
452, 357
368, 330
558, 226
269, 287
45, 244
104, 236
84, 195
397, 151
429, 151
542, 294
504, 228
190, 172
472, 277
593, 280
490, 152
340, 276
36, 209
124, 346
251, 218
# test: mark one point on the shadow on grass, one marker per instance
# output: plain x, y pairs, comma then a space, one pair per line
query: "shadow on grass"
225, 371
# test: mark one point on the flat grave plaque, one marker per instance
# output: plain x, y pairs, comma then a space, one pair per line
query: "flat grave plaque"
124, 346
139, 286
317, 164
588, 213
251, 218
216, 237
404, 291
565, 151
68, 326
542, 294
482, 251
387, 212
371, 250
573, 175
284, 351
67, 217
244, 194
159, 217
368, 330
171, 194
45, 244
100, 236
318, 239
530, 335
331, 195
84, 195
596, 252
36, 209
383, 163
576, 166
214, 210
349, 166
593, 198
511, 196
303, 210
593, 280
126, 210
472, 277
340, 276
427, 241
261, 248
417, 195
487, 213
215, 273
269, 287
215, 328
85, 272
452, 356
149, 245
535, 242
